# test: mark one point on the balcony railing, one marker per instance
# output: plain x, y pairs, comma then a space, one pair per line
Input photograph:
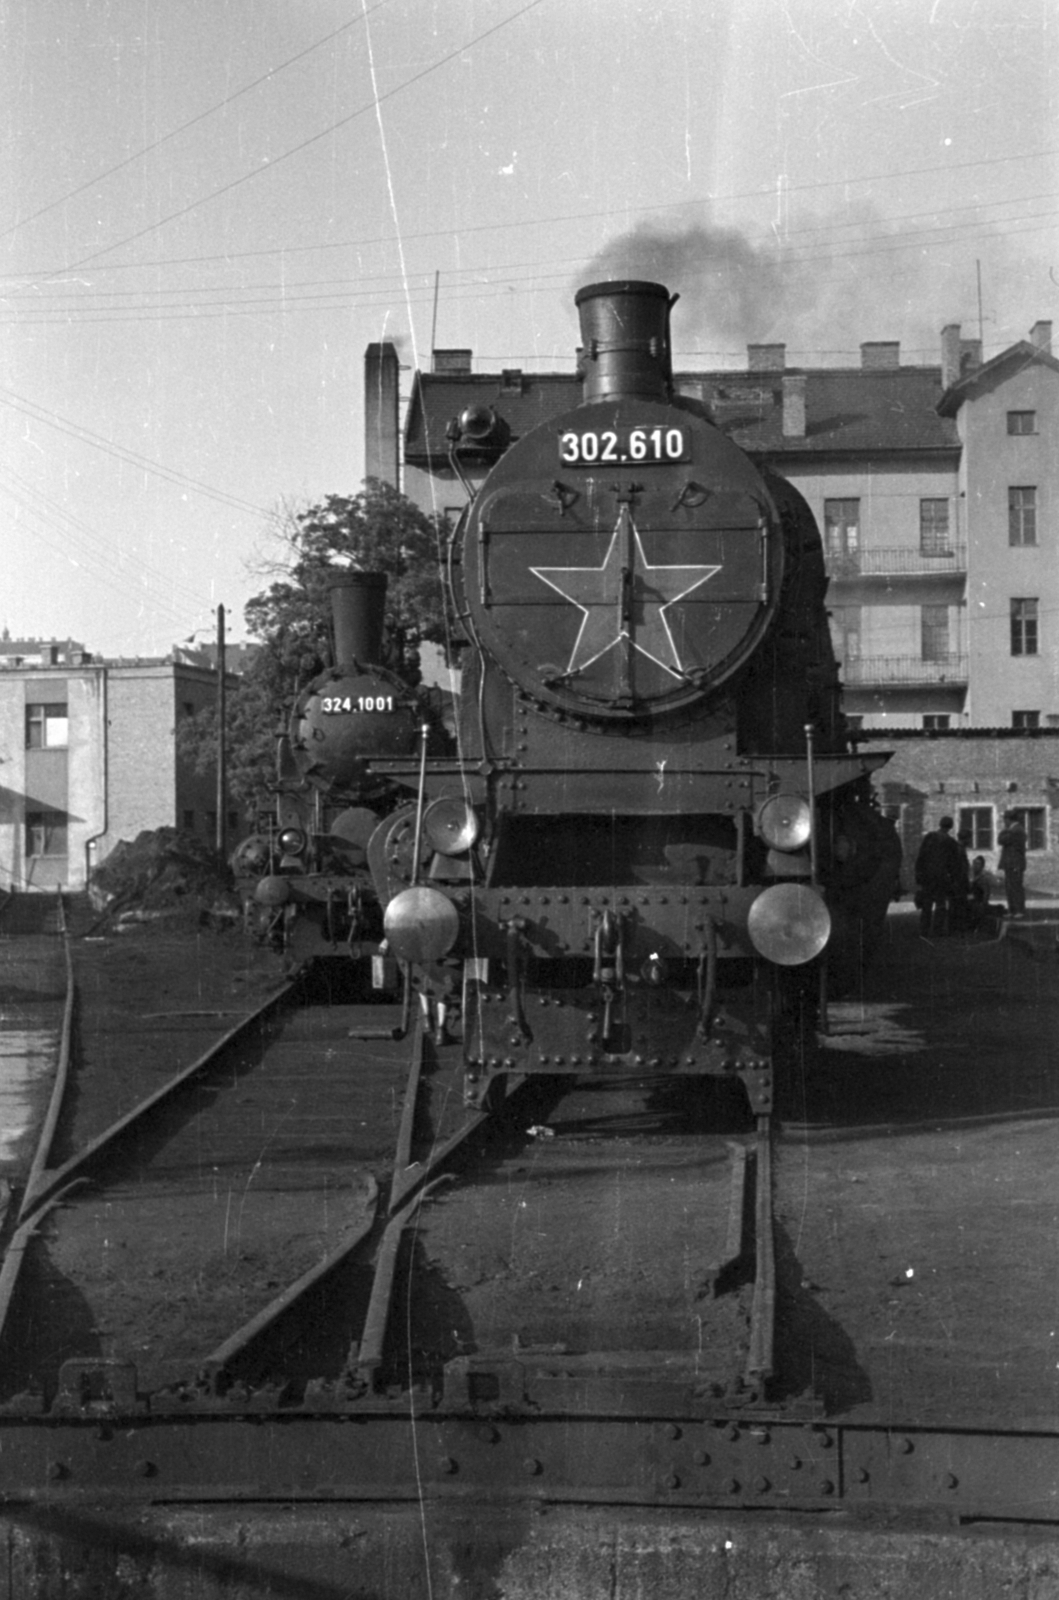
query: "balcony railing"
895, 562
906, 671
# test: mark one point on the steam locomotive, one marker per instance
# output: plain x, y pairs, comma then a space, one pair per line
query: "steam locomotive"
653, 848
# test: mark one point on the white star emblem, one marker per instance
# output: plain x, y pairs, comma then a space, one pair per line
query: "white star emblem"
626, 598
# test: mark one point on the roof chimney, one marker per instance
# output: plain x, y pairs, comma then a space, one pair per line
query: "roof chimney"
950, 355
1041, 336
880, 355
451, 361
766, 357
970, 355
381, 459
794, 405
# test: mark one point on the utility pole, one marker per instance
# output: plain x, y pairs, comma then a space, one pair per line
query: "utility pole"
222, 774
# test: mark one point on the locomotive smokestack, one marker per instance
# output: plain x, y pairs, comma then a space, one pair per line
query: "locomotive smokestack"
358, 601
625, 335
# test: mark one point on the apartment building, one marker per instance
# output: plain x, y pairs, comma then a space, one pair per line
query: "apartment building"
934, 488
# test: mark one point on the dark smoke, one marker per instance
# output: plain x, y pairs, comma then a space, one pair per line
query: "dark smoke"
830, 283
727, 285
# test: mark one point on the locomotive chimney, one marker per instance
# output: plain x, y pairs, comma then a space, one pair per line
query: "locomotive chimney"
625, 338
358, 601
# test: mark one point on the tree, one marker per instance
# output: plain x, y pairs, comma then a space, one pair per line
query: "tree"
377, 530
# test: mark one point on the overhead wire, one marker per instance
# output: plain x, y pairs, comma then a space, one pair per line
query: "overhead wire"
99, 546
192, 122
304, 144
134, 458
319, 295
287, 286
229, 256
161, 598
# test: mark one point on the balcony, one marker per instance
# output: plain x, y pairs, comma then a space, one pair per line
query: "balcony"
904, 672
901, 561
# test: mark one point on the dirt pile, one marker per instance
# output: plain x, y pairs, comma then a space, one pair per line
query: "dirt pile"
163, 873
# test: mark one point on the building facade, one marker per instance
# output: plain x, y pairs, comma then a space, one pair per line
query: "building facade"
88, 756
1007, 415
935, 489
936, 492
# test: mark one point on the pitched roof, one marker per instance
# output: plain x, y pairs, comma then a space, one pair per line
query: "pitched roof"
847, 410
1015, 358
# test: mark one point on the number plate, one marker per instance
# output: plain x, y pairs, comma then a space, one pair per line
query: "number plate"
333, 705
644, 447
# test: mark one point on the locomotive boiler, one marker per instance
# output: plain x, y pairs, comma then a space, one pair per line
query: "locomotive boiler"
304, 870
655, 848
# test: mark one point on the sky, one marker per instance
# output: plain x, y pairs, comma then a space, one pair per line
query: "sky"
208, 208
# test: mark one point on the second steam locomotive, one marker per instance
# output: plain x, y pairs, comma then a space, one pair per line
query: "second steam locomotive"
653, 847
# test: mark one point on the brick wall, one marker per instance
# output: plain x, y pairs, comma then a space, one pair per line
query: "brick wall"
929, 777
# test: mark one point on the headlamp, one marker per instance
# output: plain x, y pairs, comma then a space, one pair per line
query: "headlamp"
450, 825
785, 821
789, 924
421, 924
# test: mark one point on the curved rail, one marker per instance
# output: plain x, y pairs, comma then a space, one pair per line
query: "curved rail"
35, 1180
77, 1165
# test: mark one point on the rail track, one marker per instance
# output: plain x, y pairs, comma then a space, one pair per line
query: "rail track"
256, 1217
571, 1301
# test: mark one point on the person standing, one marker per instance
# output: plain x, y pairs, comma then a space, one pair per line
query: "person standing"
938, 872
1012, 863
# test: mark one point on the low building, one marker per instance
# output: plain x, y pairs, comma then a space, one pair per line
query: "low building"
89, 756
975, 776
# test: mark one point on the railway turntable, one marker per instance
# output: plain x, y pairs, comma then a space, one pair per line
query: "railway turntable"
294, 1321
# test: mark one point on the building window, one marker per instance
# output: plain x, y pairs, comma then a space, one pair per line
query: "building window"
845, 632
1035, 821
47, 727
1022, 422
189, 708
935, 720
842, 527
978, 822
934, 632
233, 822
1024, 627
1022, 516
854, 721
45, 833
188, 823
934, 528
1025, 719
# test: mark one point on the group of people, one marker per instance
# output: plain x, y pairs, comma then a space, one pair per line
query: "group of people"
952, 892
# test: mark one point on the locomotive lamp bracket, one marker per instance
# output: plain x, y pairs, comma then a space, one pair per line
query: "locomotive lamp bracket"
691, 496
562, 496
